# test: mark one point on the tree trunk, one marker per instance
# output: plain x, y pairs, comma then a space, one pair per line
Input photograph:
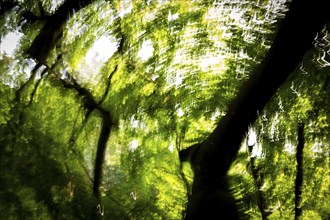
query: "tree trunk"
211, 198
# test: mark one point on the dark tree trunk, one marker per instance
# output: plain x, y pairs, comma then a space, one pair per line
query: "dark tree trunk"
211, 198
52, 31
101, 147
91, 104
300, 172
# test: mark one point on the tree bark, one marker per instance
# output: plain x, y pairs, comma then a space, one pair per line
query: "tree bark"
211, 198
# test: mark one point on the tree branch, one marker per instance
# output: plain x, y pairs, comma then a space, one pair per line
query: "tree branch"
217, 152
108, 85
300, 172
52, 31
91, 104
258, 179
101, 147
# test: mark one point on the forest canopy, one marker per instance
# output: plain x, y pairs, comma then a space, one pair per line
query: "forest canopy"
119, 109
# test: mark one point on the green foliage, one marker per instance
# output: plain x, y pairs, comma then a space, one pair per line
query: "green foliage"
174, 68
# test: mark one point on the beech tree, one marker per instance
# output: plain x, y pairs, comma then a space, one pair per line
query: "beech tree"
211, 159
164, 109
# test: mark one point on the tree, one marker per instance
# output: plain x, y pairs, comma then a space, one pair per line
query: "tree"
102, 99
214, 156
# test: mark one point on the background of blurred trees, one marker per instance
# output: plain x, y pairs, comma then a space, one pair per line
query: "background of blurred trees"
97, 98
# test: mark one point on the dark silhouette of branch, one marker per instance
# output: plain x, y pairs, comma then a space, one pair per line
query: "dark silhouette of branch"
51, 32
105, 132
27, 15
211, 197
258, 180
101, 147
91, 104
107, 89
7, 6
121, 44
72, 140
42, 74
300, 172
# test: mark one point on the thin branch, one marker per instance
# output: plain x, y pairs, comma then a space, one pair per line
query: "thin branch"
108, 85
300, 171
258, 180
18, 92
47, 69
